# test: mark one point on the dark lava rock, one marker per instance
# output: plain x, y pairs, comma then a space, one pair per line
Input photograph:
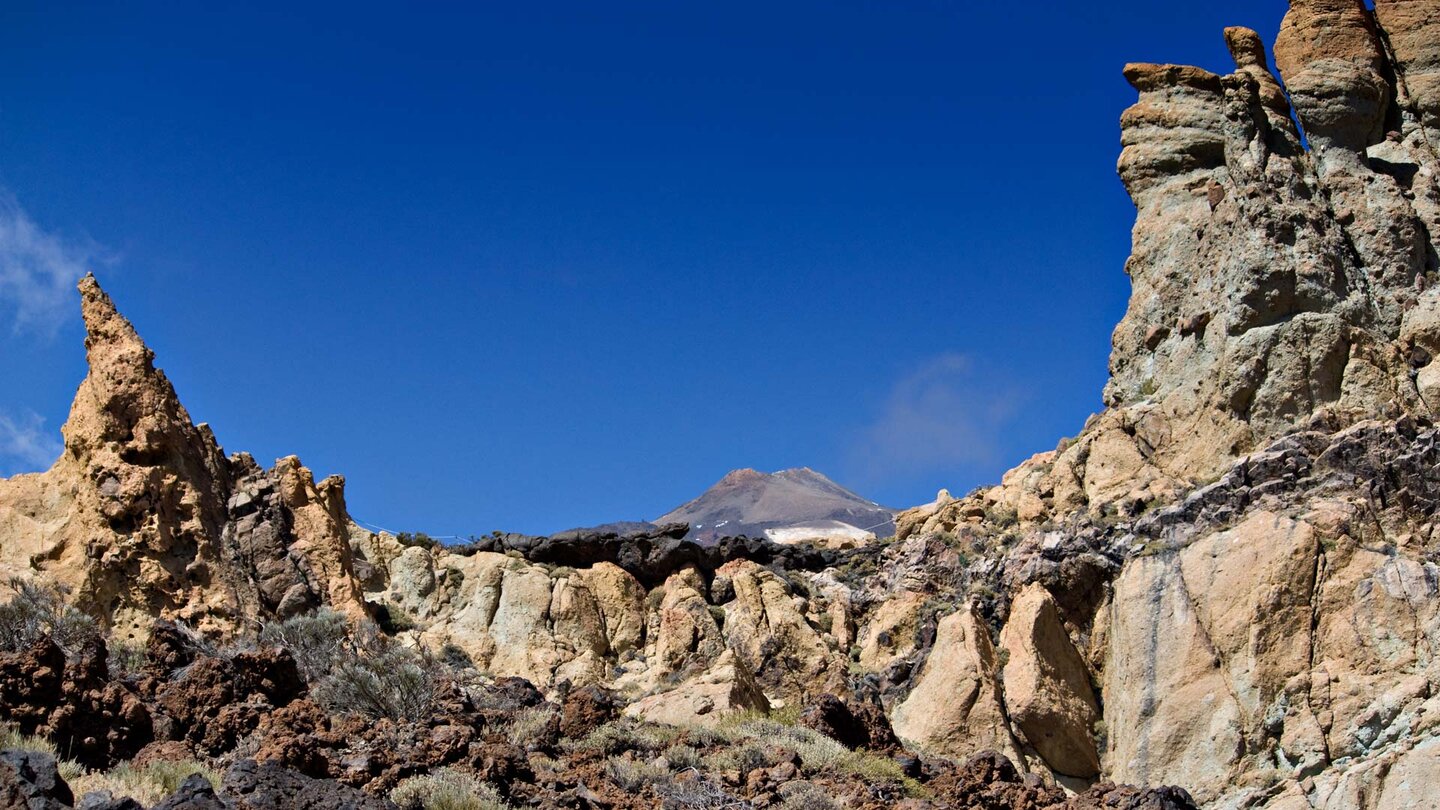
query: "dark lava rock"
30, 780
268, 786
652, 556
861, 726
195, 793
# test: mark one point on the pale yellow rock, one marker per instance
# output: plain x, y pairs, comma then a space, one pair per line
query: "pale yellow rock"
683, 633
955, 709
1047, 686
705, 699
771, 635
513, 618
621, 601
890, 630
322, 535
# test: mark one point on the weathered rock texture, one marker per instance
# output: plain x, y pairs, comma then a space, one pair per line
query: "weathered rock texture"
1228, 580
143, 516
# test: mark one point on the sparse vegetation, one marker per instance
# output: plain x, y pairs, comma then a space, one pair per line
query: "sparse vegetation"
316, 640
36, 611
529, 725
805, 796
446, 789
147, 784
420, 539
389, 681
125, 657
681, 757
632, 775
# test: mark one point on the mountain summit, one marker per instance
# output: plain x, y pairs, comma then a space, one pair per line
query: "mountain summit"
785, 506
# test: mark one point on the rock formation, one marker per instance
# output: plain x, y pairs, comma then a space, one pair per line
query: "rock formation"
143, 516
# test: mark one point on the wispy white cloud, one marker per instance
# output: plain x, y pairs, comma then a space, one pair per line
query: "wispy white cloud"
38, 270
25, 444
942, 415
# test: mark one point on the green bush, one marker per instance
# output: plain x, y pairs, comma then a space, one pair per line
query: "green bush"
37, 611
317, 641
390, 681
420, 539
446, 789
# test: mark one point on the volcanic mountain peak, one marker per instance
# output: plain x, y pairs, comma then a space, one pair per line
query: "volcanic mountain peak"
751, 502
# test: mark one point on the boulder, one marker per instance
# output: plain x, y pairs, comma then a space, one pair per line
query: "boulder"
726, 687
268, 786
30, 780
1047, 686
955, 707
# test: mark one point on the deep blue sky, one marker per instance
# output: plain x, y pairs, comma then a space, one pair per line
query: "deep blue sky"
528, 266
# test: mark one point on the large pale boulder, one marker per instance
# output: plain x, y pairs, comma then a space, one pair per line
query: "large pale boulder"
768, 630
727, 686
1047, 686
515, 618
682, 632
955, 708
890, 631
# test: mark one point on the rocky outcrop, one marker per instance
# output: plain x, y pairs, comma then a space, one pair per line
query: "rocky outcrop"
1240, 550
1269, 282
706, 698
955, 707
599, 625
266, 785
30, 780
144, 517
1047, 686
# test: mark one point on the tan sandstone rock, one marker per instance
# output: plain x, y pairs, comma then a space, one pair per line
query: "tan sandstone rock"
1047, 686
955, 708
705, 699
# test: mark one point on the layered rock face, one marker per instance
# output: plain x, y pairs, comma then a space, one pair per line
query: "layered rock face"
143, 516
1241, 549
1273, 279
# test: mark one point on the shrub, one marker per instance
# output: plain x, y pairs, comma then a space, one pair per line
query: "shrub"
681, 757
446, 789
455, 657
420, 539
391, 681
633, 776
124, 657
743, 757
819, 754
37, 611
393, 619
694, 794
611, 738
529, 726
805, 796
619, 736
147, 784
316, 640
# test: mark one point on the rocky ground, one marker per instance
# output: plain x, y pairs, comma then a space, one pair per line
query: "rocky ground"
186, 725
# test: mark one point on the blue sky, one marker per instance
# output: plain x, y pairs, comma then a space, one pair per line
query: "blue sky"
528, 266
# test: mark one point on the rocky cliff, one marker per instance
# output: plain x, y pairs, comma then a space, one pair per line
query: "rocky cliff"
1229, 580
